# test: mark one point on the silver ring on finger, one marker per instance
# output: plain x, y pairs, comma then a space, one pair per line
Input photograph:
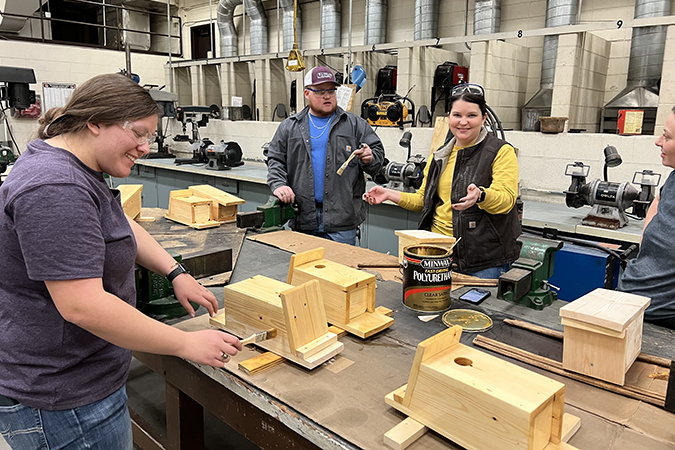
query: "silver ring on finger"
224, 356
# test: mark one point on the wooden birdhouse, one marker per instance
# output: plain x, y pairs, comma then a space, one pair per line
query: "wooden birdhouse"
479, 401
603, 333
131, 199
348, 294
296, 312
202, 206
223, 204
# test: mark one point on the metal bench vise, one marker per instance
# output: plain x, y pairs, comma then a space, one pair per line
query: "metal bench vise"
527, 281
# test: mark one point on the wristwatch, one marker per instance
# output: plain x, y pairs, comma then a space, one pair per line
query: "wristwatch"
482, 195
177, 271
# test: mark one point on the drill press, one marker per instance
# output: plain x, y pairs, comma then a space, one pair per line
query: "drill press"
527, 281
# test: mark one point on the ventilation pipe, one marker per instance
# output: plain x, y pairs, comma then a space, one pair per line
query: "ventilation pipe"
376, 22
426, 19
331, 24
256, 11
487, 16
19, 7
558, 13
228, 34
644, 69
288, 7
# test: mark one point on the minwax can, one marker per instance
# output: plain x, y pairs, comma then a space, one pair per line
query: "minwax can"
427, 277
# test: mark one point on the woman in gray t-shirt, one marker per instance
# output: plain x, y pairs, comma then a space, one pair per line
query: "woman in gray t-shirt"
67, 290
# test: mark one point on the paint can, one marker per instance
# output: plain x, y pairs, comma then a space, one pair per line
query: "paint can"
427, 277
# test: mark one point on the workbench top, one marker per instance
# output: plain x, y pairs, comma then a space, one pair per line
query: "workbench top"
340, 405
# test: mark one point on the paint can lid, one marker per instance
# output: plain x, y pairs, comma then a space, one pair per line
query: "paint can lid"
470, 321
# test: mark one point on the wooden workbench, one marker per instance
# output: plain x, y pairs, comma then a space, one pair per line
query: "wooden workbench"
340, 405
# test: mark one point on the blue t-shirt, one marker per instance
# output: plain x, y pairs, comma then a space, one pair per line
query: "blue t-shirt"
59, 221
652, 272
319, 129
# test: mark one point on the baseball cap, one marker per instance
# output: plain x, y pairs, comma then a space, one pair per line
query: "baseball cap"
320, 75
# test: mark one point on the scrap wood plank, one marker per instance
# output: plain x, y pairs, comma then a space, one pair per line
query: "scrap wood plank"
636, 392
261, 362
460, 278
644, 357
348, 255
404, 434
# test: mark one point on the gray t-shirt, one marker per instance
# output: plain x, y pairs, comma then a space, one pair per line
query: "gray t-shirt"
652, 272
59, 221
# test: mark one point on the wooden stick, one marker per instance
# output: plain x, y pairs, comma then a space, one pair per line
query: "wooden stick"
644, 357
627, 390
378, 265
535, 328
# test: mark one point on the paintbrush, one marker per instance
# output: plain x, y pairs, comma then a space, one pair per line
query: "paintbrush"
259, 337
346, 163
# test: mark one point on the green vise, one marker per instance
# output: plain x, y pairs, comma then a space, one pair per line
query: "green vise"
527, 281
155, 296
272, 216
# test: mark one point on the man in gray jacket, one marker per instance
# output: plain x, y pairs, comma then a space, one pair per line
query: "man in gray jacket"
306, 152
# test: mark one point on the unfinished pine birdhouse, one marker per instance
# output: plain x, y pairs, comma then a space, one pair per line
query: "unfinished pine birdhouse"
223, 204
479, 401
348, 294
296, 312
603, 333
131, 199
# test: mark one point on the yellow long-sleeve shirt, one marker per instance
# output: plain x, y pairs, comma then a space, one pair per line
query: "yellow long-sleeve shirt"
500, 196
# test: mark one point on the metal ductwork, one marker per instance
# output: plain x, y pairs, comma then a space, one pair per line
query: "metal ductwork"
20, 7
228, 34
376, 22
644, 70
426, 19
331, 24
558, 13
487, 16
256, 11
288, 7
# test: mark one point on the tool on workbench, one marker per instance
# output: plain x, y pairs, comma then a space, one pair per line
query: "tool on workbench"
259, 337
610, 200
196, 117
154, 293
346, 163
155, 296
224, 156
405, 177
527, 281
272, 216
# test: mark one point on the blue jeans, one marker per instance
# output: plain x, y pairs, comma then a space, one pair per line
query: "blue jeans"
490, 272
345, 237
103, 425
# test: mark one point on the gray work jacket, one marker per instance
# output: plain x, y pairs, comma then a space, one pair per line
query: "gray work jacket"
290, 163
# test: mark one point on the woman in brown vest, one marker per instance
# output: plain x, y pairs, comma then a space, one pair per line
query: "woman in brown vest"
469, 191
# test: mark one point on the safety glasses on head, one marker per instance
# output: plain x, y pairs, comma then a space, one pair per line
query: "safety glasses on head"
140, 134
475, 89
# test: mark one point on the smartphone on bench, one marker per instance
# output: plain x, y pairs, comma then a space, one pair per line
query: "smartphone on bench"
475, 295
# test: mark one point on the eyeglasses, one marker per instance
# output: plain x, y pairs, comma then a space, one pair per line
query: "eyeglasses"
322, 92
141, 136
475, 89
